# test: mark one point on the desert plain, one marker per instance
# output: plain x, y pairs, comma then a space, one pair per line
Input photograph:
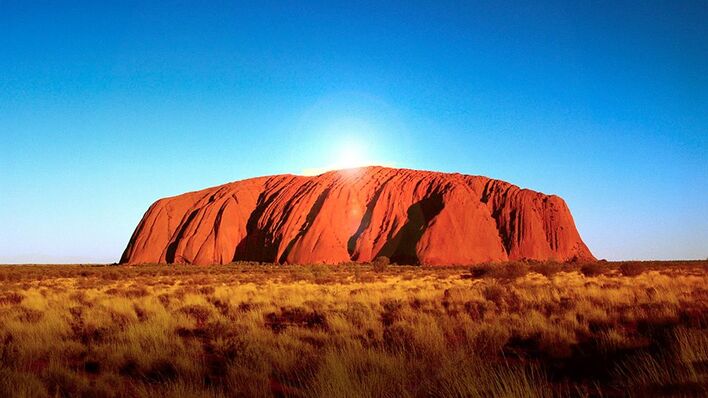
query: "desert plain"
515, 329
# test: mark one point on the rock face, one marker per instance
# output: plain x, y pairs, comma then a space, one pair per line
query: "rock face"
410, 216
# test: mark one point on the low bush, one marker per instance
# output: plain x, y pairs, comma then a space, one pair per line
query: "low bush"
481, 270
508, 271
380, 263
513, 270
547, 269
632, 268
593, 269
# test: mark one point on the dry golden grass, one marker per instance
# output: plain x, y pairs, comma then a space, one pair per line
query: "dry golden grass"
510, 330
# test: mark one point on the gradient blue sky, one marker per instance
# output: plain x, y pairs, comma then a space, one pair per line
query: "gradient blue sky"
105, 108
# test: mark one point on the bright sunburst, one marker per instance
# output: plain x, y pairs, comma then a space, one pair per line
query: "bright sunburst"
347, 154
351, 155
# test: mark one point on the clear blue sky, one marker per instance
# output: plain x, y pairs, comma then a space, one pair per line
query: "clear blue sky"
105, 108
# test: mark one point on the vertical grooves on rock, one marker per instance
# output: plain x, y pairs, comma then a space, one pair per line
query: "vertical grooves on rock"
314, 210
408, 215
366, 218
172, 247
402, 248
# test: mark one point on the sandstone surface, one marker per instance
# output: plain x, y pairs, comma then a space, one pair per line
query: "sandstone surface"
410, 216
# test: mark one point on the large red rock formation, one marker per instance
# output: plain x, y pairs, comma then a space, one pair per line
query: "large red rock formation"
409, 216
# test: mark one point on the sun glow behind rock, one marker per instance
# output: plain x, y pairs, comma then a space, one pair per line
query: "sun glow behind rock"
348, 131
349, 154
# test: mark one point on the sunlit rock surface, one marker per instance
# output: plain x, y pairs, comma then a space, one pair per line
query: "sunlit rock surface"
410, 216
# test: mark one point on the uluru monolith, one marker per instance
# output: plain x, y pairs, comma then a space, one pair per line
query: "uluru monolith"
410, 216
